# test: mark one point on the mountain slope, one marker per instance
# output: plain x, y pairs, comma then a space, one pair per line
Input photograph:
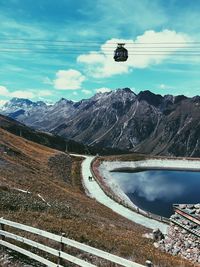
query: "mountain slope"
52, 140
59, 205
39, 137
146, 122
178, 132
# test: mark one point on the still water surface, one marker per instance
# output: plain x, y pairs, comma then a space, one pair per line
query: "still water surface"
157, 190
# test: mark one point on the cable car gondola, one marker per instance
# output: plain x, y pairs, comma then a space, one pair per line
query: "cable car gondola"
121, 53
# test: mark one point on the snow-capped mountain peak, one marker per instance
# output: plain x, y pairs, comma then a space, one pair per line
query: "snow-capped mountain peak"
21, 103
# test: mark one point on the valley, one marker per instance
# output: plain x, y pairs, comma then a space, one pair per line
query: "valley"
25, 166
99, 133
144, 123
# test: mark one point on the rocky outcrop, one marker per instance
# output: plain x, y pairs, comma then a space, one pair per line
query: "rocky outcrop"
183, 241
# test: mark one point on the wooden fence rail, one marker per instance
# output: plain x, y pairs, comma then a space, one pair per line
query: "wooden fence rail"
6, 236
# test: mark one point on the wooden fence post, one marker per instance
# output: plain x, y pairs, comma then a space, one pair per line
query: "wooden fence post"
59, 262
149, 263
2, 227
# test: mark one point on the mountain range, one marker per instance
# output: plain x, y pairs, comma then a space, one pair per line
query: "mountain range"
144, 122
51, 140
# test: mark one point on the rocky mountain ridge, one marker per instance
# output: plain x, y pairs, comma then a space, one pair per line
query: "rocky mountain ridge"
51, 140
145, 123
20, 106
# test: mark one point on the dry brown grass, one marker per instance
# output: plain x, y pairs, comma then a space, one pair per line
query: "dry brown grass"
83, 219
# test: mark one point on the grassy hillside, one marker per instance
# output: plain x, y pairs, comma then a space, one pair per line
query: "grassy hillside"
25, 165
51, 140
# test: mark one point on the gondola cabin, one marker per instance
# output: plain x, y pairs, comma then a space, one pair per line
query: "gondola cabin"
121, 53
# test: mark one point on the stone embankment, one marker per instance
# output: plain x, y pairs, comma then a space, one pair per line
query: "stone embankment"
183, 236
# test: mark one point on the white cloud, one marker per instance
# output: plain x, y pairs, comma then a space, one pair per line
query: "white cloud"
68, 79
141, 14
103, 90
151, 186
24, 93
9, 25
162, 86
4, 91
2, 102
47, 81
101, 64
146, 46
191, 93
86, 92
21, 94
44, 93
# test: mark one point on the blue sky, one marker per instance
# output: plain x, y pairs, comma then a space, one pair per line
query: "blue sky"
52, 49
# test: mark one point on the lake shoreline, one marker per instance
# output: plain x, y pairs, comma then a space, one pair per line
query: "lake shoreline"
104, 171
134, 170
